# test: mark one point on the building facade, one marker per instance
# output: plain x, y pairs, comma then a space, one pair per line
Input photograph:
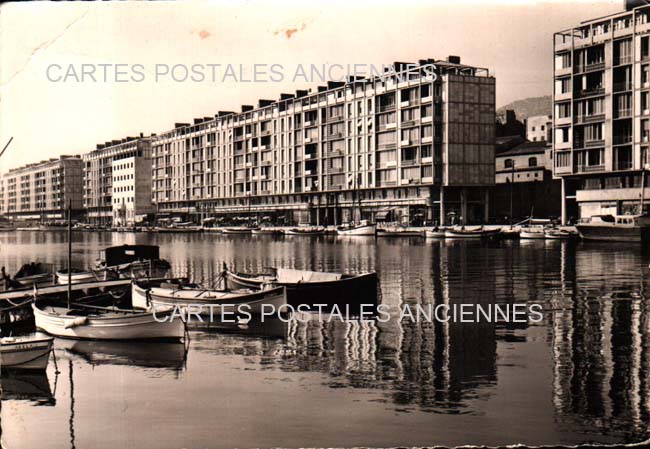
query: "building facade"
419, 142
539, 128
601, 116
131, 190
43, 190
524, 183
98, 175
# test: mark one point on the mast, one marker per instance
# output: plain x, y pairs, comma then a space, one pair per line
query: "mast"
642, 189
512, 187
69, 251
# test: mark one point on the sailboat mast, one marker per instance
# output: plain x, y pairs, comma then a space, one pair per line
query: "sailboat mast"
642, 189
69, 251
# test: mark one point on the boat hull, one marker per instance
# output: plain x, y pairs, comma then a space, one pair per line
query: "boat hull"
398, 233
253, 302
84, 276
350, 291
27, 354
613, 233
236, 231
532, 235
305, 232
130, 326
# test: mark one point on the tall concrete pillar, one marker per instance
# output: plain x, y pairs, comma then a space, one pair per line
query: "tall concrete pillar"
442, 205
563, 204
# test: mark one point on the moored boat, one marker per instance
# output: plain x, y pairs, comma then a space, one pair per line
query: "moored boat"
106, 323
78, 276
399, 231
312, 287
463, 232
557, 234
532, 233
193, 297
238, 230
620, 228
435, 233
34, 273
133, 261
363, 229
266, 231
305, 230
29, 353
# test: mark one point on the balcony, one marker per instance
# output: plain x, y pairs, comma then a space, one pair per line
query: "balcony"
335, 118
590, 92
582, 119
409, 162
623, 59
623, 113
337, 135
386, 107
593, 67
387, 146
334, 170
408, 123
589, 168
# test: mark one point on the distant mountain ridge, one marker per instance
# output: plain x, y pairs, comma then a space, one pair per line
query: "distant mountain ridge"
529, 107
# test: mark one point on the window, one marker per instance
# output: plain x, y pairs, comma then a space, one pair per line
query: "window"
563, 86
508, 163
532, 162
563, 110
562, 159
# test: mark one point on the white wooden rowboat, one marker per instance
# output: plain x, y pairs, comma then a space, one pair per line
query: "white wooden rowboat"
107, 324
79, 276
29, 353
202, 300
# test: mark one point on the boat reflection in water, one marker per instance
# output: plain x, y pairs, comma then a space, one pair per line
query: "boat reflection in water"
169, 356
30, 386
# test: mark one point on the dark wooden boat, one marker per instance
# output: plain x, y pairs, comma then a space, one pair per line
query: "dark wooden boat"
35, 273
313, 287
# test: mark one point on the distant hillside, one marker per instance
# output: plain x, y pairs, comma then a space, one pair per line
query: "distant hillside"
529, 107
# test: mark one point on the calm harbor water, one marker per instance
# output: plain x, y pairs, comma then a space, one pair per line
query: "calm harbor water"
582, 375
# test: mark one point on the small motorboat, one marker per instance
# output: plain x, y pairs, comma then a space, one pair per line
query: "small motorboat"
35, 273
28, 353
206, 301
435, 233
399, 231
133, 261
106, 323
363, 229
305, 230
311, 287
79, 276
470, 233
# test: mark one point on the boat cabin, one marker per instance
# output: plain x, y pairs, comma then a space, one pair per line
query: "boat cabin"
124, 254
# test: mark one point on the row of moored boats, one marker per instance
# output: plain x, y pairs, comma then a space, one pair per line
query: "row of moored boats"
138, 304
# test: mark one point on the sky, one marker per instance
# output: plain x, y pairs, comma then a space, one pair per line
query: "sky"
140, 52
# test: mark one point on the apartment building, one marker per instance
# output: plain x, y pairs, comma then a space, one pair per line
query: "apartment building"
98, 175
539, 128
131, 187
43, 190
601, 116
418, 141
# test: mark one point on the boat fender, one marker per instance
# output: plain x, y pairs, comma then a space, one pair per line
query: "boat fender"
78, 321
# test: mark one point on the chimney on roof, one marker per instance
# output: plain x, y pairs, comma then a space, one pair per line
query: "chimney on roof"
301, 93
285, 97
264, 103
322, 88
453, 59
334, 84
181, 125
246, 107
224, 113
141, 135
99, 146
198, 120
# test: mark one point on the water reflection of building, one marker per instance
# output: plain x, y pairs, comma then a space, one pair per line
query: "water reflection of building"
601, 344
